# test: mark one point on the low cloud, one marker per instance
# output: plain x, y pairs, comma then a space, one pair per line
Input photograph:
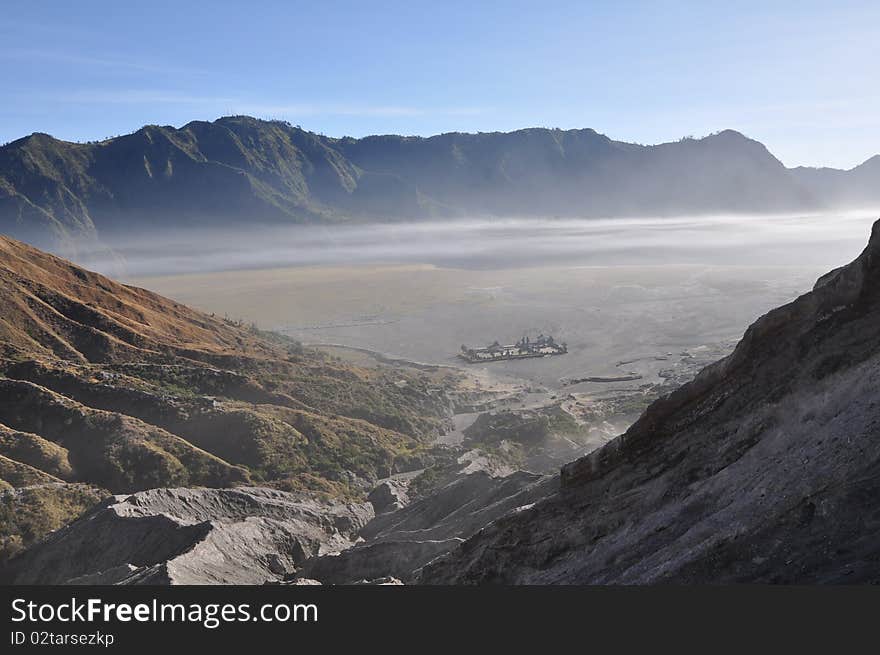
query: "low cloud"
824, 241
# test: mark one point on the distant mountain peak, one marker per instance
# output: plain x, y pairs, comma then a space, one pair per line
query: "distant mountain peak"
871, 162
728, 134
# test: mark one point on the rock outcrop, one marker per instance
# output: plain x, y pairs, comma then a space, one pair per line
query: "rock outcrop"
247, 535
400, 542
389, 495
765, 468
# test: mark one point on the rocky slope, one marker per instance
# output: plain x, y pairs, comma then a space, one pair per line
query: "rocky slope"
110, 388
400, 540
248, 535
765, 468
252, 535
240, 170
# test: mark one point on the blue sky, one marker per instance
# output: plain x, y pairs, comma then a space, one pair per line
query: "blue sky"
802, 77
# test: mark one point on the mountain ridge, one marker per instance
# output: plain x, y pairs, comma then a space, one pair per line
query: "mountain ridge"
239, 170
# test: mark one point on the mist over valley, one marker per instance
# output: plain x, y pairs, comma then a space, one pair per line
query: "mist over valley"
611, 288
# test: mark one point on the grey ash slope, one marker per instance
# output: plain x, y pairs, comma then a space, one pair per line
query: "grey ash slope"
248, 535
253, 535
401, 540
765, 468
239, 170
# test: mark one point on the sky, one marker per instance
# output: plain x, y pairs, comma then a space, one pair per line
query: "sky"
801, 77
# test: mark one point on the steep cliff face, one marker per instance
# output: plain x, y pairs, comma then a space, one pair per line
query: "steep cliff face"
765, 468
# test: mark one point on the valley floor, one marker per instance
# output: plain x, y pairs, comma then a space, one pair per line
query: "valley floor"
633, 332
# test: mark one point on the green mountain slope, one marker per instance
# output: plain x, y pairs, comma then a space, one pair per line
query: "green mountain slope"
240, 170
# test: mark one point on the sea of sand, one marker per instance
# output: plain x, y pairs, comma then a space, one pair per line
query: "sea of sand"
627, 296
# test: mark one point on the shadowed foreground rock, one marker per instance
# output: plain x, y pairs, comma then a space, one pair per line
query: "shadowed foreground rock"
248, 535
765, 468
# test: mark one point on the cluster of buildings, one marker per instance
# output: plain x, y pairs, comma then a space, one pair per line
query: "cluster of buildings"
525, 347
